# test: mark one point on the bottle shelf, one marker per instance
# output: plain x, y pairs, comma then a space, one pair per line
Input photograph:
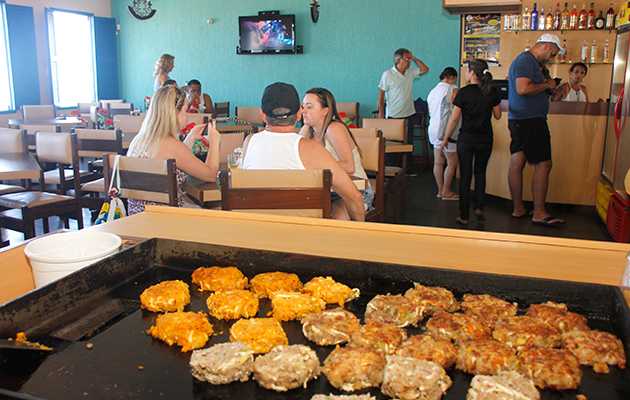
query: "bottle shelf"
562, 31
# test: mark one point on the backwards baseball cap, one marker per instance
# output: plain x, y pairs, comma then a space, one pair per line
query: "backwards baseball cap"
280, 100
551, 38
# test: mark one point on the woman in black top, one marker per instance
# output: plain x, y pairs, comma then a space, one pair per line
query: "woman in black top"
475, 104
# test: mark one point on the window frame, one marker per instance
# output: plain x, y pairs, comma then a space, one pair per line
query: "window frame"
7, 44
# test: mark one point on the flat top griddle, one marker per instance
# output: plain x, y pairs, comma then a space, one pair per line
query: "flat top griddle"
100, 305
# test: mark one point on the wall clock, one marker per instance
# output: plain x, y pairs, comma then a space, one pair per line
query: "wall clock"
141, 9
315, 11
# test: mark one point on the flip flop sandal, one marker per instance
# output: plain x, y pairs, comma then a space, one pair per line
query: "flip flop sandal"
548, 221
451, 198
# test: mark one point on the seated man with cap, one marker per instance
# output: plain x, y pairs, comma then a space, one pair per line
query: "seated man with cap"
279, 146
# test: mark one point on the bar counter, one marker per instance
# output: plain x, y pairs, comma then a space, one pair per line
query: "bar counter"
507, 254
577, 145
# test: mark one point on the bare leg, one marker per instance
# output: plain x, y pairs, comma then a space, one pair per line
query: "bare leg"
540, 183
438, 169
339, 211
449, 173
515, 180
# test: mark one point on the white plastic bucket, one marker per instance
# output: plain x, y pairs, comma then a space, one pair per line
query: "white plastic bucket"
55, 256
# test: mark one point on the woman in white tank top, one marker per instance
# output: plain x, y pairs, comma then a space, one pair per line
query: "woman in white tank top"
573, 90
322, 123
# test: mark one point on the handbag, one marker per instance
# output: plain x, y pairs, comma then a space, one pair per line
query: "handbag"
114, 208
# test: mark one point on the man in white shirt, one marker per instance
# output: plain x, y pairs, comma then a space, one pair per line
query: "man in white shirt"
280, 147
396, 88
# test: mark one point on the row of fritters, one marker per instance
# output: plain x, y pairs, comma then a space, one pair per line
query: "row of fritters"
348, 369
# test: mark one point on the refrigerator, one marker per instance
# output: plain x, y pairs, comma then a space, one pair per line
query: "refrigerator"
616, 160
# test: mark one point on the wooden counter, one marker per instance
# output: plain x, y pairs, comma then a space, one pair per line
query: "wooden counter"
577, 145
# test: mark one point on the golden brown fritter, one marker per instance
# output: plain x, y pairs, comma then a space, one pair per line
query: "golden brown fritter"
330, 326
261, 334
190, 330
430, 299
426, 347
488, 309
485, 357
232, 304
558, 316
351, 369
596, 348
377, 336
216, 279
265, 284
550, 368
287, 306
456, 327
166, 296
392, 309
523, 331
330, 291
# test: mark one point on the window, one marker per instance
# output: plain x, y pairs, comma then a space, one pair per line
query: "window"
6, 86
70, 38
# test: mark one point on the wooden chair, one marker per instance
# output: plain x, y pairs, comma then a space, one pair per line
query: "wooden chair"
66, 170
252, 115
31, 132
38, 112
229, 142
351, 109
372, 148
12, 141
303, 193
393, 130
22, 209
222, 109
119, 108
129, 125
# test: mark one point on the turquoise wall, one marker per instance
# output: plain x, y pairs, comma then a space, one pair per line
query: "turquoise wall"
346, 51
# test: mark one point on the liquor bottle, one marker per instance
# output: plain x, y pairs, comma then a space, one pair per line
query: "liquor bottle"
507, 23
573, 20
584, 52
606, 52
542, 20
610, 17
534, 19
565, 17
525, 20
549, 21
582, 18
593, 52
590, 19
600, 21
557, 17
562, 58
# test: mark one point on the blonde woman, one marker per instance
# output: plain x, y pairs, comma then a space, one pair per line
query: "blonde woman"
163, 66
159, 139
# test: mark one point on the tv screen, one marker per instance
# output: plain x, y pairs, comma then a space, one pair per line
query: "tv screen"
272, 34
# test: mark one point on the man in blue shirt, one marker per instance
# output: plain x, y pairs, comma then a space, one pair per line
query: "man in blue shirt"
528, 94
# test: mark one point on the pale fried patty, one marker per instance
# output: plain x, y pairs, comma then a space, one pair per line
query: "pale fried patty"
558, 316
488, 309
286, 367
523, 331
383, 338
550, 368
508, 385
190, 330
166, 296
267, 283
219, 278
430, 299
456, 327
352, 369
223, 363
330, 291
426, 347
392, 309
485, 357
232, 304
330, 326
407, 378
260, 334
596, 348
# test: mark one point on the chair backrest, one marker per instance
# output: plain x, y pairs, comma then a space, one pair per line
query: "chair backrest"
372, 148
59, 148
351, 109
393, 129
198, 118
285, 192
128, 123
119, 108
145, 179
98, 142
253, 115
38, 112
105, 103
12, 140
31, 131
222, 109
229, 142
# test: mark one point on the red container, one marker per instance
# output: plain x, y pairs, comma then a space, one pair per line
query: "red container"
618, 218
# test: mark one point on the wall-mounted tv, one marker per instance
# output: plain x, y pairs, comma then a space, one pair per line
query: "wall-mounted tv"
267, 34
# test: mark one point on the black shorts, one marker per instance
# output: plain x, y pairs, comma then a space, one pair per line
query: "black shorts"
531, 136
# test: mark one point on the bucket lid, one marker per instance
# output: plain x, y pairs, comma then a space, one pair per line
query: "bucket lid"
70, 247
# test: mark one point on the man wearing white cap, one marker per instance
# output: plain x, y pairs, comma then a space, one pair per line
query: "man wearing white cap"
528, 96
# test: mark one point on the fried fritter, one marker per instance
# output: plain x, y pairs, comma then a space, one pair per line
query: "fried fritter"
352, 369
392, 309
550, 368
558, 316
407, 378
287, 306
190, 330
265, 284
488, 309
330, 291
166, 296
426, 347
232, 304
456, 327
523, 331
380, 337
330, 326
261, 334
216, 279
343, 397
430, 299
508, 385
486, 357
223, 363
286, 367
596, 348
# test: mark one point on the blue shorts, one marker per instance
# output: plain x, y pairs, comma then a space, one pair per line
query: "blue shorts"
368, 198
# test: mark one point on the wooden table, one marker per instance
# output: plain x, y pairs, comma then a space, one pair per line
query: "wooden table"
392, 146
67, 122
16, 166
232, 127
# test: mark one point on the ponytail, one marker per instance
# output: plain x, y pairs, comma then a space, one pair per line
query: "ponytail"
481, 70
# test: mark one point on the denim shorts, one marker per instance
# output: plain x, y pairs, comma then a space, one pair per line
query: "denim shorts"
368, 198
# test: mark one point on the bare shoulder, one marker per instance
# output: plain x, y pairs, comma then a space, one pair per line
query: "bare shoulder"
336, 128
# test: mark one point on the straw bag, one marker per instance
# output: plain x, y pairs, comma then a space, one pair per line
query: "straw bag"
114, 208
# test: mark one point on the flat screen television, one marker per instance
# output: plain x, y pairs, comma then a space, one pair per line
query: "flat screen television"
267, 34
